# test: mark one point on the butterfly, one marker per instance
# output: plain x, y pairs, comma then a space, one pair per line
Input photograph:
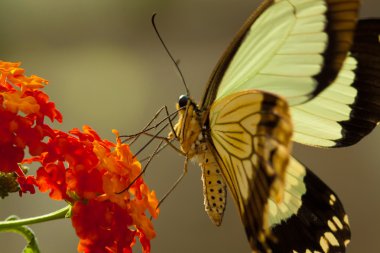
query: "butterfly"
298, 70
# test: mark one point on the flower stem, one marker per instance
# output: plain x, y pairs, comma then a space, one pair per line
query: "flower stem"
59, 214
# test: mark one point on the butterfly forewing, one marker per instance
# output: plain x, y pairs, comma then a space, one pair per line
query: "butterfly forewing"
293, 48
349, 108
251, 134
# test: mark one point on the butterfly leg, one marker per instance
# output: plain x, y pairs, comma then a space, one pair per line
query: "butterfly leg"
164, 139
149, 126
184, 172
146, 130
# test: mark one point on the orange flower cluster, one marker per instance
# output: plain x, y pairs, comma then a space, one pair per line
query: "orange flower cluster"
95, 176
89, 172
23, 108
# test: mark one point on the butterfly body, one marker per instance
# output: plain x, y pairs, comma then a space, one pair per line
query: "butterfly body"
194, 144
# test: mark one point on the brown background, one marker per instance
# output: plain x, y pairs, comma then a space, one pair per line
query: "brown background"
107, 69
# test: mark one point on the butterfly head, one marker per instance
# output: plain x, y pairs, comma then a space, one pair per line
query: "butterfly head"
188, 128
185, 101
182, 101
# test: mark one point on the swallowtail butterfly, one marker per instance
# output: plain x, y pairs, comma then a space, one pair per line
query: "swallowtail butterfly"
298, 70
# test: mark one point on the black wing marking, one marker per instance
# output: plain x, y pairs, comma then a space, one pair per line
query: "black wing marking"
349, 108
315, 220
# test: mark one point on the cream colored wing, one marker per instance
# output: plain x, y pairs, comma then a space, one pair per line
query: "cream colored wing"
310, 218
294, 48
349, 108
251, 134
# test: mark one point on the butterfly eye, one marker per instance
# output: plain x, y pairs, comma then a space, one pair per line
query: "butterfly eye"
182, 101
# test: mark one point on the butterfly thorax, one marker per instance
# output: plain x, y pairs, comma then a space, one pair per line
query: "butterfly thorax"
195, 145
188, 129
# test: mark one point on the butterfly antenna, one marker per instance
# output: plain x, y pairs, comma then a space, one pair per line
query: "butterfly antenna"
170, 55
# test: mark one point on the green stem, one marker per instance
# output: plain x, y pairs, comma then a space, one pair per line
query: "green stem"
59, 214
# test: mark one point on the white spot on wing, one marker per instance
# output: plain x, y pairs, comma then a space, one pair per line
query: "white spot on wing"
337, 222
332, 199
331, 239
345, 219
324, 244
332, 226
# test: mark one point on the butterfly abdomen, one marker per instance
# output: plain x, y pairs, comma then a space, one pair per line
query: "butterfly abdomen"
195, 147
214, 187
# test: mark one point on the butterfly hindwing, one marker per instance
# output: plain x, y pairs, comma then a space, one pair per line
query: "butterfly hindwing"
251, 134
349, 108
311, 218
293, 48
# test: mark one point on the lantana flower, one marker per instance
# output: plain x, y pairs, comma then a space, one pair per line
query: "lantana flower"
93, 175
23, 108
101, 180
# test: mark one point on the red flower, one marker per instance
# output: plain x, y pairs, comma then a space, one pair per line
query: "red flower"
94, 175
27, 183
90, 173
102, 227
23, 108
53, 177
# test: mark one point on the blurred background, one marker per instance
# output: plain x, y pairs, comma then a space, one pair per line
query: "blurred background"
107, 69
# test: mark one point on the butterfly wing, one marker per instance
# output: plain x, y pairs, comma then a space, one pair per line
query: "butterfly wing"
250, 135
292, 48
283, 205
349, 108
311, 218
295, 49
